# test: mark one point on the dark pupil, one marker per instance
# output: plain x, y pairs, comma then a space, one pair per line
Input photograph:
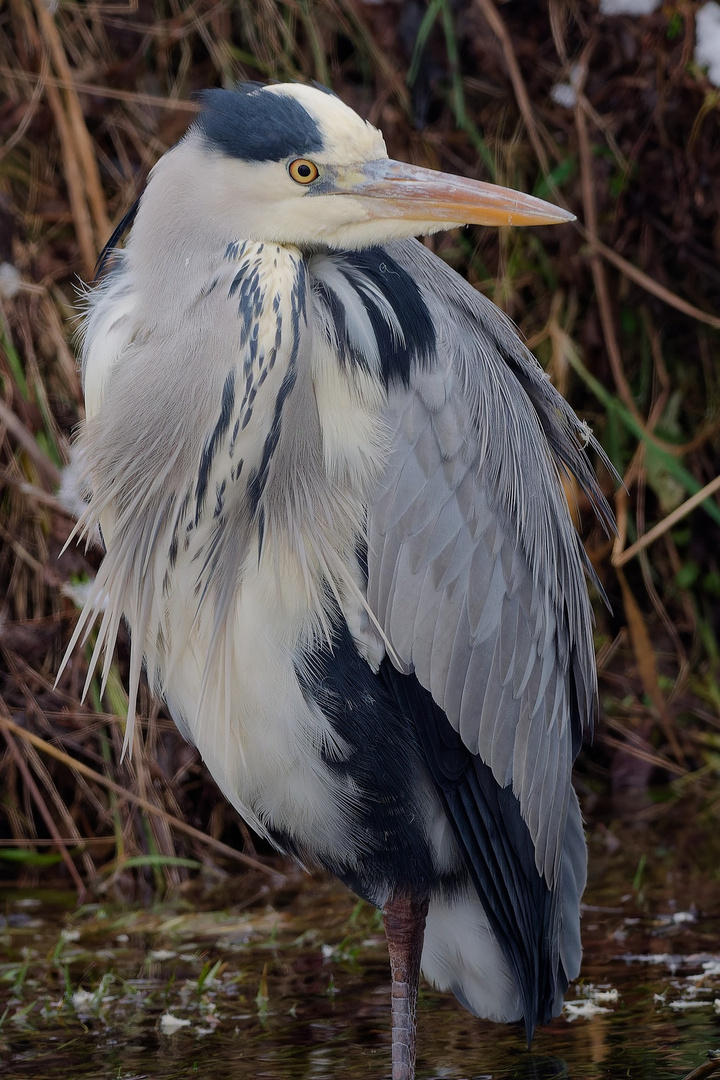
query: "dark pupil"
304, 170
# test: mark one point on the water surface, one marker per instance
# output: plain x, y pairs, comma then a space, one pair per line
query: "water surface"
296, 987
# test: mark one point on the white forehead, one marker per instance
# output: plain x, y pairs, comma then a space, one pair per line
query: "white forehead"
346, 136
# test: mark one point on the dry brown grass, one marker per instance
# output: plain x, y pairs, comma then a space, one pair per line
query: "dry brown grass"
623, 311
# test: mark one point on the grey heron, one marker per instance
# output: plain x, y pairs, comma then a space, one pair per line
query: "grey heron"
326, 473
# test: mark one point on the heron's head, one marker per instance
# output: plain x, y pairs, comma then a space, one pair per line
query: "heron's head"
292, 164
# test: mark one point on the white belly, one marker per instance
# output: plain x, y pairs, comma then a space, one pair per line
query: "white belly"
237, 697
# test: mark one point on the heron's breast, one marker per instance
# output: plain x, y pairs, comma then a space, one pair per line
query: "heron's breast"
238, 699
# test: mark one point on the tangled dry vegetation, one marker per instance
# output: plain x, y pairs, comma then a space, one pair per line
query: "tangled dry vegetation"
619, 308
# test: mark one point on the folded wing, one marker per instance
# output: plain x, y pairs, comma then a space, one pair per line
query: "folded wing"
475, 571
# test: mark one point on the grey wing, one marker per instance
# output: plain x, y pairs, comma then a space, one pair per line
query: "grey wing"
476, 573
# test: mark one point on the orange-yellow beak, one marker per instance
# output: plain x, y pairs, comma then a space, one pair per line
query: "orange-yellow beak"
393, 189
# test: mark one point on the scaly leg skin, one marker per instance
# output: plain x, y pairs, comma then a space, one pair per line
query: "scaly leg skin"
404, 919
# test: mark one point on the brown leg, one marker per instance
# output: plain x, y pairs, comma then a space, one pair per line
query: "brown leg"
404, 928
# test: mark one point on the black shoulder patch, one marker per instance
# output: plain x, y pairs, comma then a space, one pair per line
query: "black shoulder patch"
255, 125
399, 317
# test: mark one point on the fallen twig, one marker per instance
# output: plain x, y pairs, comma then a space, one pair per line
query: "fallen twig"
142, 804
47, 817
621, 557
712, 1065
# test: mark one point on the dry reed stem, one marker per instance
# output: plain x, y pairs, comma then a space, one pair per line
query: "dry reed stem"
638, 746
648, 283
629, 745
656, 412
596, 265
683, 664
129, 97
72, 158
75, 186
639, 636
633, 272
47, 817
15, 427
619, 559
494, 19
136, 800
32, 107
78, 128
645, 657
62, 812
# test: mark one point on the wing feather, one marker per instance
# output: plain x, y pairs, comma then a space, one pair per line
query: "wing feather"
443, 646
475, 570
457, 675
455, 563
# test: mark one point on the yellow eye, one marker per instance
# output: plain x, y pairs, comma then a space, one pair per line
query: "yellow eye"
303, 171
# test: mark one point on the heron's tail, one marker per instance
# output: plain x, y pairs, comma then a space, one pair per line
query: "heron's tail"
462, 954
